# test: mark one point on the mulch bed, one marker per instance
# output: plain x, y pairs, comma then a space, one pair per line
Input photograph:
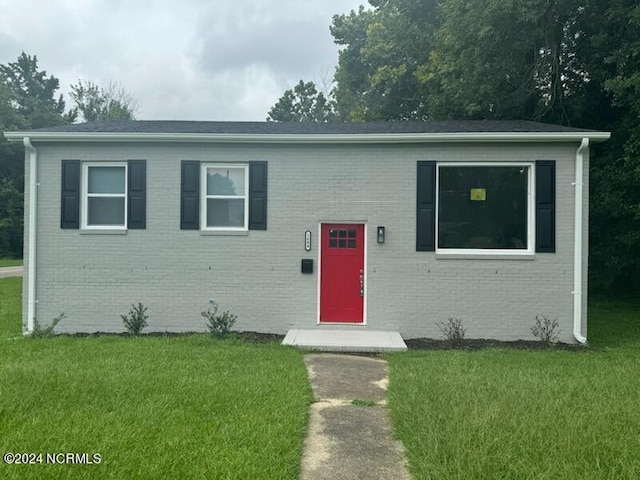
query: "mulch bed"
482, 343
247, 337
412, 344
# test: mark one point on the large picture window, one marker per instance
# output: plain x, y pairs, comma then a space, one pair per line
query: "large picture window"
224, 199
484, 207
104, 198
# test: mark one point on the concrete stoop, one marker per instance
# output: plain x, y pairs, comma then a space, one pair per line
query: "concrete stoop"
335, 340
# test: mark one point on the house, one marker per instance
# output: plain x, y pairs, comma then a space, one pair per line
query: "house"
391, 226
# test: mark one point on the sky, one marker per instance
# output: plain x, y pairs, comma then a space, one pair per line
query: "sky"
180, 59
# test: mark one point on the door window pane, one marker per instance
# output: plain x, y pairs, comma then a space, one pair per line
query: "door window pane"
225, 212
106, 180
483, 207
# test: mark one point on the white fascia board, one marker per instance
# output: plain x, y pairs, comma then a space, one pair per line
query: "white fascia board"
309, 138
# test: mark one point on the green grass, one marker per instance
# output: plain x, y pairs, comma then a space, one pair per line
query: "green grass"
512, 414
10, 307
195, 407
152, 407
8, 262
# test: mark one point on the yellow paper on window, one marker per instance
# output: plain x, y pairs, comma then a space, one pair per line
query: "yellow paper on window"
478, 194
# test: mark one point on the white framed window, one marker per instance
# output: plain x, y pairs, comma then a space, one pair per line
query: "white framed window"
485, 208
104, 195
224, 197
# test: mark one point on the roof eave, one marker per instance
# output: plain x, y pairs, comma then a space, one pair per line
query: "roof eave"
593, 136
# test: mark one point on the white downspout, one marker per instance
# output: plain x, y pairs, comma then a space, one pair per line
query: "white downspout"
577, 244
33, 198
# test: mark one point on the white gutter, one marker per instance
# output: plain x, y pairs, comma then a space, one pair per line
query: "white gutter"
577, 244
33, 198
361, 138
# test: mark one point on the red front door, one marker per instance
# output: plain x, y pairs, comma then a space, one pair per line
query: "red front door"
342, 273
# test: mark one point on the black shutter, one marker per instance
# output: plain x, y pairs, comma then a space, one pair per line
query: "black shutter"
137, 194
190, 195
546, 206
257, 195
70, 194
426, 207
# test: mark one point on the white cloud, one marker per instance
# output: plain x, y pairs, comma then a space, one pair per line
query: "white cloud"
194, 59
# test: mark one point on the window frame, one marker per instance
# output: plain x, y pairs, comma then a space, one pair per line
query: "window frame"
204, 196
85, 195
531, 211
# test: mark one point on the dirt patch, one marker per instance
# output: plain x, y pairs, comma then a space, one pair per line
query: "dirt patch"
483, 343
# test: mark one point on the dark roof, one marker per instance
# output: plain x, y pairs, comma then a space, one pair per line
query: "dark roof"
311, 128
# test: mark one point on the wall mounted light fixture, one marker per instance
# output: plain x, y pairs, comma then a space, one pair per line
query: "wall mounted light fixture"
381, 234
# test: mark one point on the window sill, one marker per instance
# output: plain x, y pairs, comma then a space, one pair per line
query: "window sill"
229, 233
106, 231
484, 256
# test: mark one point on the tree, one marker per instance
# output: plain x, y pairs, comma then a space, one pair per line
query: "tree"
94, 103
614, 50
27, 100
32, 93
11, 215
303, 103
383, 48
568, 62
11, 156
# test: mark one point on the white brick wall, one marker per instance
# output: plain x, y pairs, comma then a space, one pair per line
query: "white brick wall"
94, 278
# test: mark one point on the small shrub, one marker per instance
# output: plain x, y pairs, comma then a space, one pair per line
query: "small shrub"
546, 329
136, 319
41, 332
452, 330
219, 324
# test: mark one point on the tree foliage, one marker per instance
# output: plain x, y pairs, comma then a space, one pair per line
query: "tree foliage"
383, 48
11, 214
29, 99
568, 62
303, 103
33, 93
112, 102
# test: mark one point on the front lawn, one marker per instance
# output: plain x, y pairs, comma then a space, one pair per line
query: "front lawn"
152, 407
8, 262
514, 414
10, 307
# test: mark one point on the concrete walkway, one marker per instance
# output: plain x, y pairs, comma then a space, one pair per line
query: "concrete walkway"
11, 271
347, 441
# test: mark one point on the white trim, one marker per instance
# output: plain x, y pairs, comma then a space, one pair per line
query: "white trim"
33, 224
84, 215
311, 138
577, 244
203, 197
366, 276
531, 224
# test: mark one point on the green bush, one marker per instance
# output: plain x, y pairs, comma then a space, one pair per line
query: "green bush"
136, 319
452, 330
546, 329
42, 332
219, 324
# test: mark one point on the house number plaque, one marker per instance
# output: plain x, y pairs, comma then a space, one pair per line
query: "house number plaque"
307, 241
